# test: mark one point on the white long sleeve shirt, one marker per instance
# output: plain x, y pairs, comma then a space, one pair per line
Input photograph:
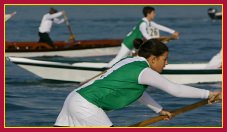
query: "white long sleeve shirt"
47, 21
154, 79
151, 29
144, 27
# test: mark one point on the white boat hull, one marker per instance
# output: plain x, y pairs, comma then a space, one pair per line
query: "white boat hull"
60, 74
80, 72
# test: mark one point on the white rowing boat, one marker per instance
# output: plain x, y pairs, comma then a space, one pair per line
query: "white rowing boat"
82, 71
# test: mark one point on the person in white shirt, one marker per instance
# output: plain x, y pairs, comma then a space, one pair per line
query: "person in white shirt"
8, 16
46, 25
145, 29
215, 62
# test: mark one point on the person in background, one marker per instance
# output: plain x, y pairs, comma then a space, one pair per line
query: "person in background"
123, 84
216, 61
214, 14
145, 29
46, 25
8, 16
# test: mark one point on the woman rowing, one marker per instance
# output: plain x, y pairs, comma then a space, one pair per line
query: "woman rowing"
122, 85
146, 29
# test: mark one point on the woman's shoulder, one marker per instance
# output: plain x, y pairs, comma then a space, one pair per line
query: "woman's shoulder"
138, 62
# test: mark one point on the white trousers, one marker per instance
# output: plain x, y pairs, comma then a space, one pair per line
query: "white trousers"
124, 52
77, 111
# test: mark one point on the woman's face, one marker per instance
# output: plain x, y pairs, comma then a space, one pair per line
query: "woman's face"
158, 63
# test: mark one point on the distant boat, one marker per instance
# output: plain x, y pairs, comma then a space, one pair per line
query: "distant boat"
214, 14
82, 71
79, 48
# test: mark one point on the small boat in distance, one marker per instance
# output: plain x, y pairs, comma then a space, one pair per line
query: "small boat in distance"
214, 14
83, 71
79, 48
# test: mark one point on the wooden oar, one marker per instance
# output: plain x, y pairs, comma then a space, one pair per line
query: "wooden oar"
72, 36
82, 83
166, 39
174, 113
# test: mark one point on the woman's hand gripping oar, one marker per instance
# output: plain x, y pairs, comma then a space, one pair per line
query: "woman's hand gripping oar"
214, 97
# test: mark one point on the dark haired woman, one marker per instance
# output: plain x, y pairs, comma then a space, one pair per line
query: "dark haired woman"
122, 85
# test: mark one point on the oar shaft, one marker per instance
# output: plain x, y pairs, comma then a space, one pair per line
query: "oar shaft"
82, 83
189, 107
174, 113
148, 121
72, 36
166, 39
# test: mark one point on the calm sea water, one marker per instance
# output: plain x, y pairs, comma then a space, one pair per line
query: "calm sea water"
31, 101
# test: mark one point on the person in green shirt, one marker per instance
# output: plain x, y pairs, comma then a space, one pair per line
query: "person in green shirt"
145, 29
123, 84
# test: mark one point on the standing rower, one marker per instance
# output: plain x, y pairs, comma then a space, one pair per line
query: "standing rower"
46, 25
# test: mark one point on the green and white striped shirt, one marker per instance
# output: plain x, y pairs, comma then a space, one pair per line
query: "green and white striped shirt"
119, 86
126, 82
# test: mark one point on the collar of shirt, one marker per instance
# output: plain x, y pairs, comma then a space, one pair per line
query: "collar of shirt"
142, 58
148, 22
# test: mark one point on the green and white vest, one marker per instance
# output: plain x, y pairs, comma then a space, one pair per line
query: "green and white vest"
131, 36
119, 86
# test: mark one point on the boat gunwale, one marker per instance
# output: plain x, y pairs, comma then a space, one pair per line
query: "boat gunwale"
165, 71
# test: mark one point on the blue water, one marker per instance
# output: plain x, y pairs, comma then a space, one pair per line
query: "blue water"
31, 101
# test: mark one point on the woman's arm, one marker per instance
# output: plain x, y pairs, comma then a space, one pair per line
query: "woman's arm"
58, 21
162, 28
55, 15
8, 16
152, 78
150, 102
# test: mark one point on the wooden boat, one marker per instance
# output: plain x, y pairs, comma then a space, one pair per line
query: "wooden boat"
214, 14
82, 71
80, 48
